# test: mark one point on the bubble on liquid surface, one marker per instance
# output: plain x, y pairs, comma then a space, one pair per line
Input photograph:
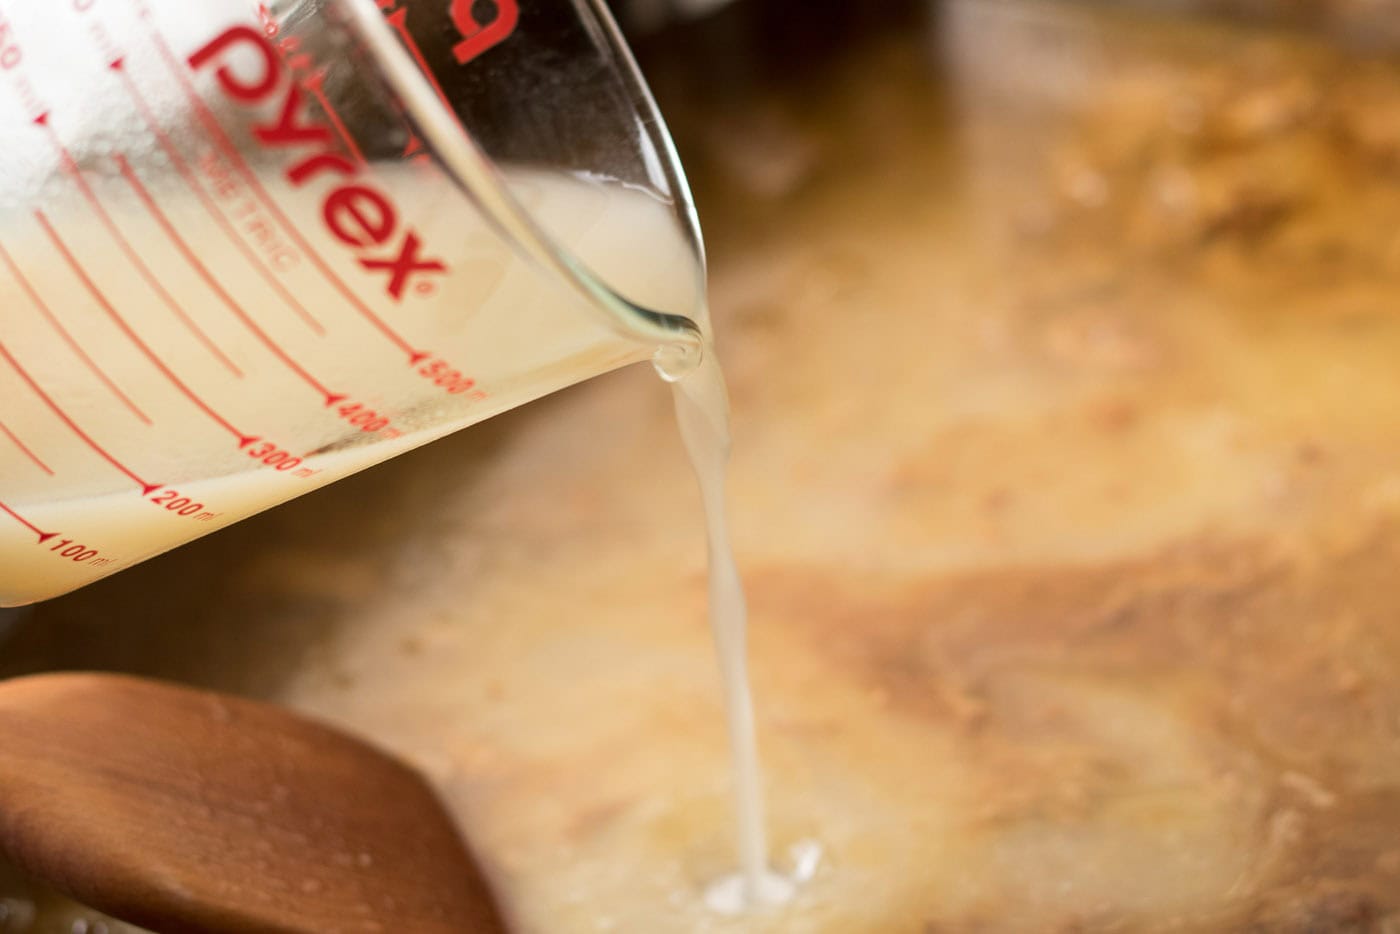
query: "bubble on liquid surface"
732, 894
806, 856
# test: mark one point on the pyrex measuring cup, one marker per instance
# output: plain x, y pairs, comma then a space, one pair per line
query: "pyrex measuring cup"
247, 250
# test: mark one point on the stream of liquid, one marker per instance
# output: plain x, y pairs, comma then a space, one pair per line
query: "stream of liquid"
702, 413
611, 223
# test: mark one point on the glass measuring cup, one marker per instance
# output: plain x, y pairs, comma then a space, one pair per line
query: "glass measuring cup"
247, 250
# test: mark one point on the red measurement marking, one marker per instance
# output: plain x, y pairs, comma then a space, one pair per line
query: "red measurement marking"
43, 536
231, 153
399, 20
68, 338
148, 488
144, 194
188, 175
243, 439
70, 168
4, 429
316, 86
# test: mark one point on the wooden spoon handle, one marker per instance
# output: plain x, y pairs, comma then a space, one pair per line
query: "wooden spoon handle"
189, 811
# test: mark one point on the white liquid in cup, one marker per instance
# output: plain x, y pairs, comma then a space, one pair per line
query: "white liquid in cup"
608, 226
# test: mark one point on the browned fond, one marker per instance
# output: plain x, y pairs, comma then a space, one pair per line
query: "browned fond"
1064, 357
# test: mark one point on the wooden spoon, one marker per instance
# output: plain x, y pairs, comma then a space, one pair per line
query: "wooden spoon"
188, 811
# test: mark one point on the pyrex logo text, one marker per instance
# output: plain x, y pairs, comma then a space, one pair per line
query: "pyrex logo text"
357, 214
482, 24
